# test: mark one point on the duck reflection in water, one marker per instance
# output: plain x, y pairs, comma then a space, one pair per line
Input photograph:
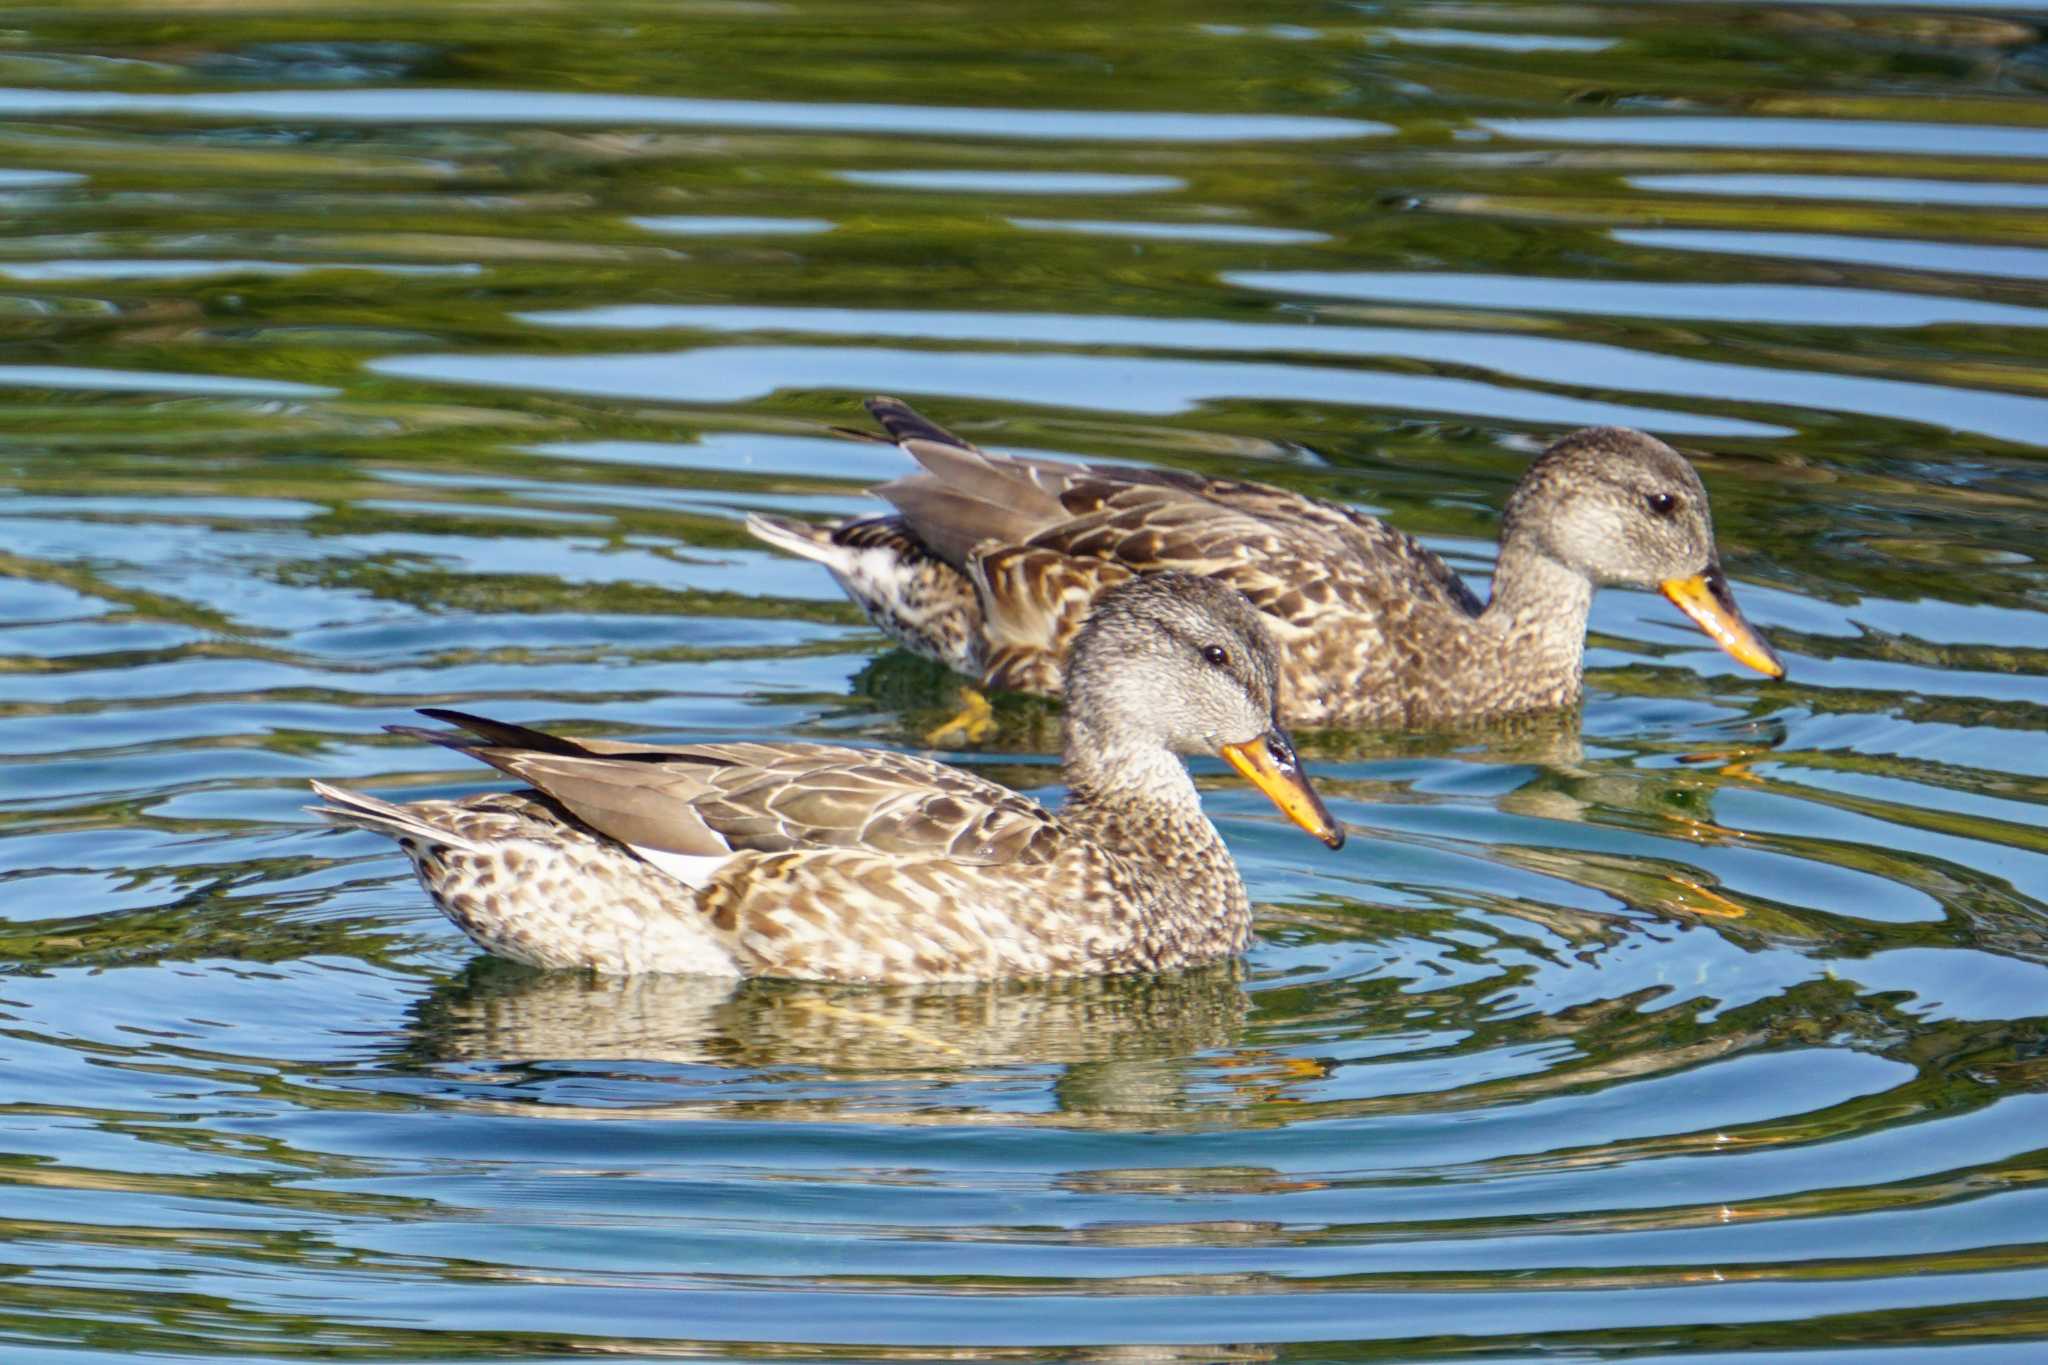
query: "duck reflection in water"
1120, 1038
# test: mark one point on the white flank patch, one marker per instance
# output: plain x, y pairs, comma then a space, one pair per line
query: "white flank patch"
874, 573
693, 870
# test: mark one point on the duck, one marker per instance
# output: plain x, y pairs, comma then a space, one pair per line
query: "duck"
989, 562
832, 863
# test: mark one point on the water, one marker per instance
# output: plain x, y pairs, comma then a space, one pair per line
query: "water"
364, 359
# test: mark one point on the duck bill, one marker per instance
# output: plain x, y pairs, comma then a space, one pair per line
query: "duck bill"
1269, 764
1705, 597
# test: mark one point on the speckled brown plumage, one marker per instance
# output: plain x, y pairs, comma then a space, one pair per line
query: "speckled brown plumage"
991, 561
830, 863
914, 597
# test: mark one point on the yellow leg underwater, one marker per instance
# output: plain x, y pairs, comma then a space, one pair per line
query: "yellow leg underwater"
975, 722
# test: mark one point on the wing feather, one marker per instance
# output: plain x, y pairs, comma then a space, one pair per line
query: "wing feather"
701, 800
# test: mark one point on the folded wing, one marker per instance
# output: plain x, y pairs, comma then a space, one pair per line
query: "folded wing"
708, 799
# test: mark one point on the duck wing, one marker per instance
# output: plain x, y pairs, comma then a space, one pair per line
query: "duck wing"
710, 799
1312, 567
1298, 558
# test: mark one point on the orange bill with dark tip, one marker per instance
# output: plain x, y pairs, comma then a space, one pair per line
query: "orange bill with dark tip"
1269, 764
1706, 599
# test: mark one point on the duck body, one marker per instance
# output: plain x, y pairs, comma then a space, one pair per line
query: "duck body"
831, 863
990, 561
1001, 886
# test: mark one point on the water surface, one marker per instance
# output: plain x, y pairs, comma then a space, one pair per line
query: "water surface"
360, 359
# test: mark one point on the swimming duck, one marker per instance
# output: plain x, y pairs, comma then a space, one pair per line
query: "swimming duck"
839, 864
990, 561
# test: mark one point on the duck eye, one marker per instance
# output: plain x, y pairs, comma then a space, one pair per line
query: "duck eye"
1663, 504
1216, 654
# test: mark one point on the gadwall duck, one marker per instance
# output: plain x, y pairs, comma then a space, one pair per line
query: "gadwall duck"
839, 864
990, 562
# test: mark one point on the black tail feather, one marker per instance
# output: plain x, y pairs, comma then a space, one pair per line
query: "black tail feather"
856, 434
495, 732
496, 742
511, 748
905, 423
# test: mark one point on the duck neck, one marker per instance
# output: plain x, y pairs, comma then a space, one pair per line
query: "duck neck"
1134, 796
1182, 898
1110, 774
1539, 610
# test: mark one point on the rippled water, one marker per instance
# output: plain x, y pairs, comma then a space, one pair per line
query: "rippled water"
366, 358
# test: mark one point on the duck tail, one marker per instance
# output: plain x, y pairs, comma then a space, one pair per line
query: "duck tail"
800, 538
353, 810
905, 423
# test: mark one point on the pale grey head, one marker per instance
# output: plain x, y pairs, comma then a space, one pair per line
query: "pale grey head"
1616, 505
1623, 509
1184, 664
1177, 660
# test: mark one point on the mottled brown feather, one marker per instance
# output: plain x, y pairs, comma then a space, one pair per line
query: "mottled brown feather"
837, 863
891, 869
1373, 627
912, 595
1033, 602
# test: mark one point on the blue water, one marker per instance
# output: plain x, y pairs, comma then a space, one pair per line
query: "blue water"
365, 359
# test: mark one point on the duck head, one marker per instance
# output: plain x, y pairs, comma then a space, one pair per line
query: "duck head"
1624, 509
1184, 664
